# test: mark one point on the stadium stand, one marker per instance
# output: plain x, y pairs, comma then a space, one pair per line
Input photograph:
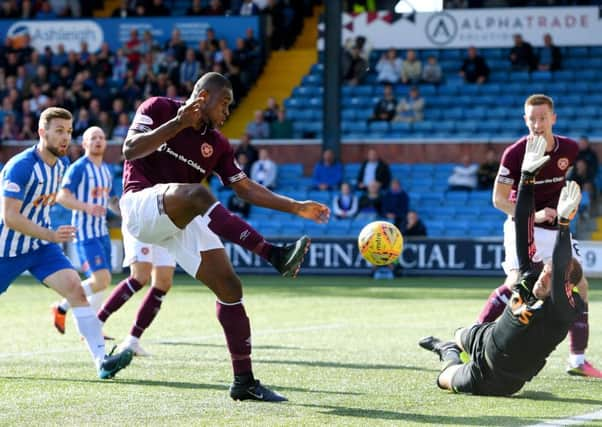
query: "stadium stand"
456, 109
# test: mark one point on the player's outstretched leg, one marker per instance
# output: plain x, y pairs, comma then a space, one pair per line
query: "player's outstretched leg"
578, 339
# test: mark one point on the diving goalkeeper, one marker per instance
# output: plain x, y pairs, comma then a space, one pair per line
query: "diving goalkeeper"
508, 353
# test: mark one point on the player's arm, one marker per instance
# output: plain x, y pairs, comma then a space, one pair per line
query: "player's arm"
524, 215
501, 197
66, 198
256, 194
562, 292
114, 205
140, 143
15, 220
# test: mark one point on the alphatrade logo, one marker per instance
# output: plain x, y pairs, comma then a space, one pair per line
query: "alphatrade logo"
441, 28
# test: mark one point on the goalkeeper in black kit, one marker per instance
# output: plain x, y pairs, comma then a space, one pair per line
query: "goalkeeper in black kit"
504, 355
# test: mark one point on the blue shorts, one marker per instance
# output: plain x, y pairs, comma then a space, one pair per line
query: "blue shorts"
42, 262
94, 254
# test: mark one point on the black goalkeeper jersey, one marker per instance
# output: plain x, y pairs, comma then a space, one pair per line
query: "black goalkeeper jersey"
530, 329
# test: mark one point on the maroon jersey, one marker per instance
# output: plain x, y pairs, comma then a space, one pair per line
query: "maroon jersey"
188, 157
549, 180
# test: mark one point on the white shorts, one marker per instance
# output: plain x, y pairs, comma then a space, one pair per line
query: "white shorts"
145, 220
137, 251
544, 246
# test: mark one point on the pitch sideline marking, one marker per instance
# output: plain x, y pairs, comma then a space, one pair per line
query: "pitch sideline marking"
570, 421
183, 340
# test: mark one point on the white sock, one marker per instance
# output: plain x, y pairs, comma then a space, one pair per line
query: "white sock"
96, 300
64, 305
88, 326
576, 360
87, 286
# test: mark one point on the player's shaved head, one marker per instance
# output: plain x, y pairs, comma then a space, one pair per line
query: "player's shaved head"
88, 133
212, 82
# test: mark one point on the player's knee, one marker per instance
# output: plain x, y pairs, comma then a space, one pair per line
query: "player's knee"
74, 293
230, 291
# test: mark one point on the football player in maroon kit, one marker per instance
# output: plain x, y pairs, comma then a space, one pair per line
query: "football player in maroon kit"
539, 118
170, 147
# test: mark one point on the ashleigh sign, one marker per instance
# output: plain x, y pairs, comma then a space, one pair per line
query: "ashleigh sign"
424, 256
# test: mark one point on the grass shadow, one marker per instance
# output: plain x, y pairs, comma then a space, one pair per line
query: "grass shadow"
544, 395
362, 366
255, 347
379, 414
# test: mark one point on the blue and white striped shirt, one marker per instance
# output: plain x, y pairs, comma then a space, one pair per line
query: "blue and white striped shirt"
89, 184
28, 178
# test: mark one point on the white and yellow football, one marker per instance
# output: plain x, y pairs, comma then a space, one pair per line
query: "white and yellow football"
380, 243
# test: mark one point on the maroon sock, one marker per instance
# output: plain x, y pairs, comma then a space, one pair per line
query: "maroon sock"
122, 292
147, 311
232, 227
579, 333
495, 304
237, 328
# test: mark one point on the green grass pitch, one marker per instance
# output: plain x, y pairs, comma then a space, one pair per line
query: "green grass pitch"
343, 350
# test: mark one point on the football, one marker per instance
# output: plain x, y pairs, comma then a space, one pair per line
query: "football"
380, 243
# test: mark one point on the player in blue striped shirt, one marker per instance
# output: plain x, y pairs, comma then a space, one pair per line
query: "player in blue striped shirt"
87, 190
30, 182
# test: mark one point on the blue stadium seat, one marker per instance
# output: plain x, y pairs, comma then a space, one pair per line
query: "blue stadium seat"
564, 75
379, 126
585, 75
424, 126
537, 76
578, 51
467, 126
401, 128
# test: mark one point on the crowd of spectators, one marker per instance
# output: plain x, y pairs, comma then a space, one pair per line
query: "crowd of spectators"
270, 123
104, 88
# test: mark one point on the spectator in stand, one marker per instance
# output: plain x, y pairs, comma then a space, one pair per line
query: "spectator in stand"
123, 11
271, 111
590, 157
27, 132
10, 130
464, 176
370, 202
411, 108
214, 8
385, 107
388, 67
258, 128
82, 122
248, 8
244, 163
431, 72
132, 50
474, 68
106, 124
411, 68
488, 170
328, 172
265, 171
395, 204
238, 205
245, 146
281, 128
580, 174
522, 57
415, 227
550, 56
354, 65
195, 9
45, 11
176, 45
345, 204
190, 68
157, 8
9, 10
373, 169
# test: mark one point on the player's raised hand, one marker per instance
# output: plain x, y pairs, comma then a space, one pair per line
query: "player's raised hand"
535, 156
570, 197
191, 113
95, 210
65, 233
315, 211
